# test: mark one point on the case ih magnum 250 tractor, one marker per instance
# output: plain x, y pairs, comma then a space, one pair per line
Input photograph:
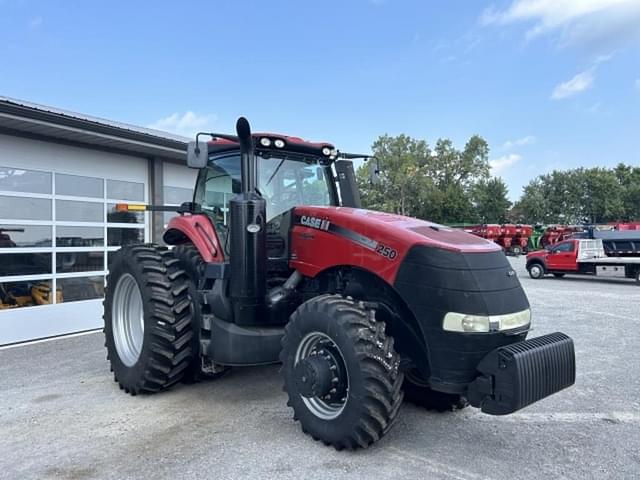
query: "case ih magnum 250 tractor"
272, 263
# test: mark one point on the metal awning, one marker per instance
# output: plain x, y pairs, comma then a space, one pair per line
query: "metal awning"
42, 122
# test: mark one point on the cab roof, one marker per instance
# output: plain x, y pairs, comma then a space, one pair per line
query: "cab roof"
275, 142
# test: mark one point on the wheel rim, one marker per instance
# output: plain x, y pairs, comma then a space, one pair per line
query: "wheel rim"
536, 271
128, 320
318, 343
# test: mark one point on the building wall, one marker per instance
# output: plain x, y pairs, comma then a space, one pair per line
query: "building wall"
58, 227
179, 182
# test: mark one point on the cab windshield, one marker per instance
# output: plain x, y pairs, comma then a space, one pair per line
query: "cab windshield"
283, 181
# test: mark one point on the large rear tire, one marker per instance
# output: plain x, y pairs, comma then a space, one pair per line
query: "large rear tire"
418, 392
192, 263
147, 319
341, 372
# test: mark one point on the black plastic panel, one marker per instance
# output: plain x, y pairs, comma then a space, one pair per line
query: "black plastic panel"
434, 281
523, 373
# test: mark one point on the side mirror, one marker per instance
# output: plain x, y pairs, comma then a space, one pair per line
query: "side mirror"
374, 170
197, 154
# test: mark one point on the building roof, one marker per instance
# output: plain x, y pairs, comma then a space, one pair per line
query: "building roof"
23, 118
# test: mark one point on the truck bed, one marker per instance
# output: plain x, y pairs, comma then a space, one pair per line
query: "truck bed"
611, 260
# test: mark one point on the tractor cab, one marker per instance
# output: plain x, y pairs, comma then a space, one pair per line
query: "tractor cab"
289, 173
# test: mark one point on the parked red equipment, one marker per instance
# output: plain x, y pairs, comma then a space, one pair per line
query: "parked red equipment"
558, 233
512, 238
521, 239
627, 226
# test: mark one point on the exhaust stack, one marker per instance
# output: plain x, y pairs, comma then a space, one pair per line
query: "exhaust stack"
248, 210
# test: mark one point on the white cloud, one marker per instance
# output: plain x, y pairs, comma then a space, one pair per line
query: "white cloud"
578, 84
577, 21
519, 142
35, 23
187, 124
502, 163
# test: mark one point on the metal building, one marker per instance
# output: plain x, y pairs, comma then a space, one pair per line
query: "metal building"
61, 174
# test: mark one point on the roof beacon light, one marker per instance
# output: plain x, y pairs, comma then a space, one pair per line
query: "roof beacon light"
279, 143
265, 142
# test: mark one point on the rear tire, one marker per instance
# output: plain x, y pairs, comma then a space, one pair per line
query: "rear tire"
516, 250
192, 263
147, 317
366, 372
418, 392
536, 271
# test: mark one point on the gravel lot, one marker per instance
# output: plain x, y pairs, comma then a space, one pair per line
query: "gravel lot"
62, 416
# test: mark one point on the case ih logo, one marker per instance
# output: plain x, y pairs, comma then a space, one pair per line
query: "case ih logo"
315, 222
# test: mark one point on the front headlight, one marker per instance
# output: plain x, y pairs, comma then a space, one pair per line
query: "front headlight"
462, 322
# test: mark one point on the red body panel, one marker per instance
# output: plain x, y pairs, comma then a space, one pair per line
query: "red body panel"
198, 230
561, 261
316, 249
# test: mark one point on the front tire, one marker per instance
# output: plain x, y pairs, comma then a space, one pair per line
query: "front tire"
147, 319
536, 271
341, 372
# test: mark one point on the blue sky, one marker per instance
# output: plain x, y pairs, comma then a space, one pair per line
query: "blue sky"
549, 83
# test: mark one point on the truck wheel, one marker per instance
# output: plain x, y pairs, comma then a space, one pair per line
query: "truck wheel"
558, 275
516, 250
341, 372
418, 392
536, 271
147, 319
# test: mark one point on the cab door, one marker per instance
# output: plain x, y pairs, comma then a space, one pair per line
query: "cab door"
562, 257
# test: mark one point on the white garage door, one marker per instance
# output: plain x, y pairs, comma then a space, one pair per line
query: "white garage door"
58, 226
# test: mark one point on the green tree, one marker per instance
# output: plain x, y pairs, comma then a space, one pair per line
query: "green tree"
490, 200
628, 178
594, 195
431, 184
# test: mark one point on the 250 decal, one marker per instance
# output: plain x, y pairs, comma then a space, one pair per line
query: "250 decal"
385, 251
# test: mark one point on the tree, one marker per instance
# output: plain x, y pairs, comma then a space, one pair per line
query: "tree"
594, 195
628, 178
490, 200
401, 160
431, 184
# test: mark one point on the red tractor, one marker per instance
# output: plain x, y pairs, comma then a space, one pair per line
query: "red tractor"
274, 263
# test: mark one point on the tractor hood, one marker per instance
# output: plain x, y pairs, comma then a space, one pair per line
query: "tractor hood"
434, 269
373, 240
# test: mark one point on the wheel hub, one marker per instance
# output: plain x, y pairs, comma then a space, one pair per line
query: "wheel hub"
320, 375
313, 376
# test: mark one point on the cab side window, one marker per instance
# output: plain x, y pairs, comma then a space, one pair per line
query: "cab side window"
216, 185
565, 247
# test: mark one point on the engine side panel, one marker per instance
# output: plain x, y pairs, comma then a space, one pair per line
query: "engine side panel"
323, 237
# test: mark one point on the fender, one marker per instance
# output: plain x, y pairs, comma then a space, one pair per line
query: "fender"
197, 229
